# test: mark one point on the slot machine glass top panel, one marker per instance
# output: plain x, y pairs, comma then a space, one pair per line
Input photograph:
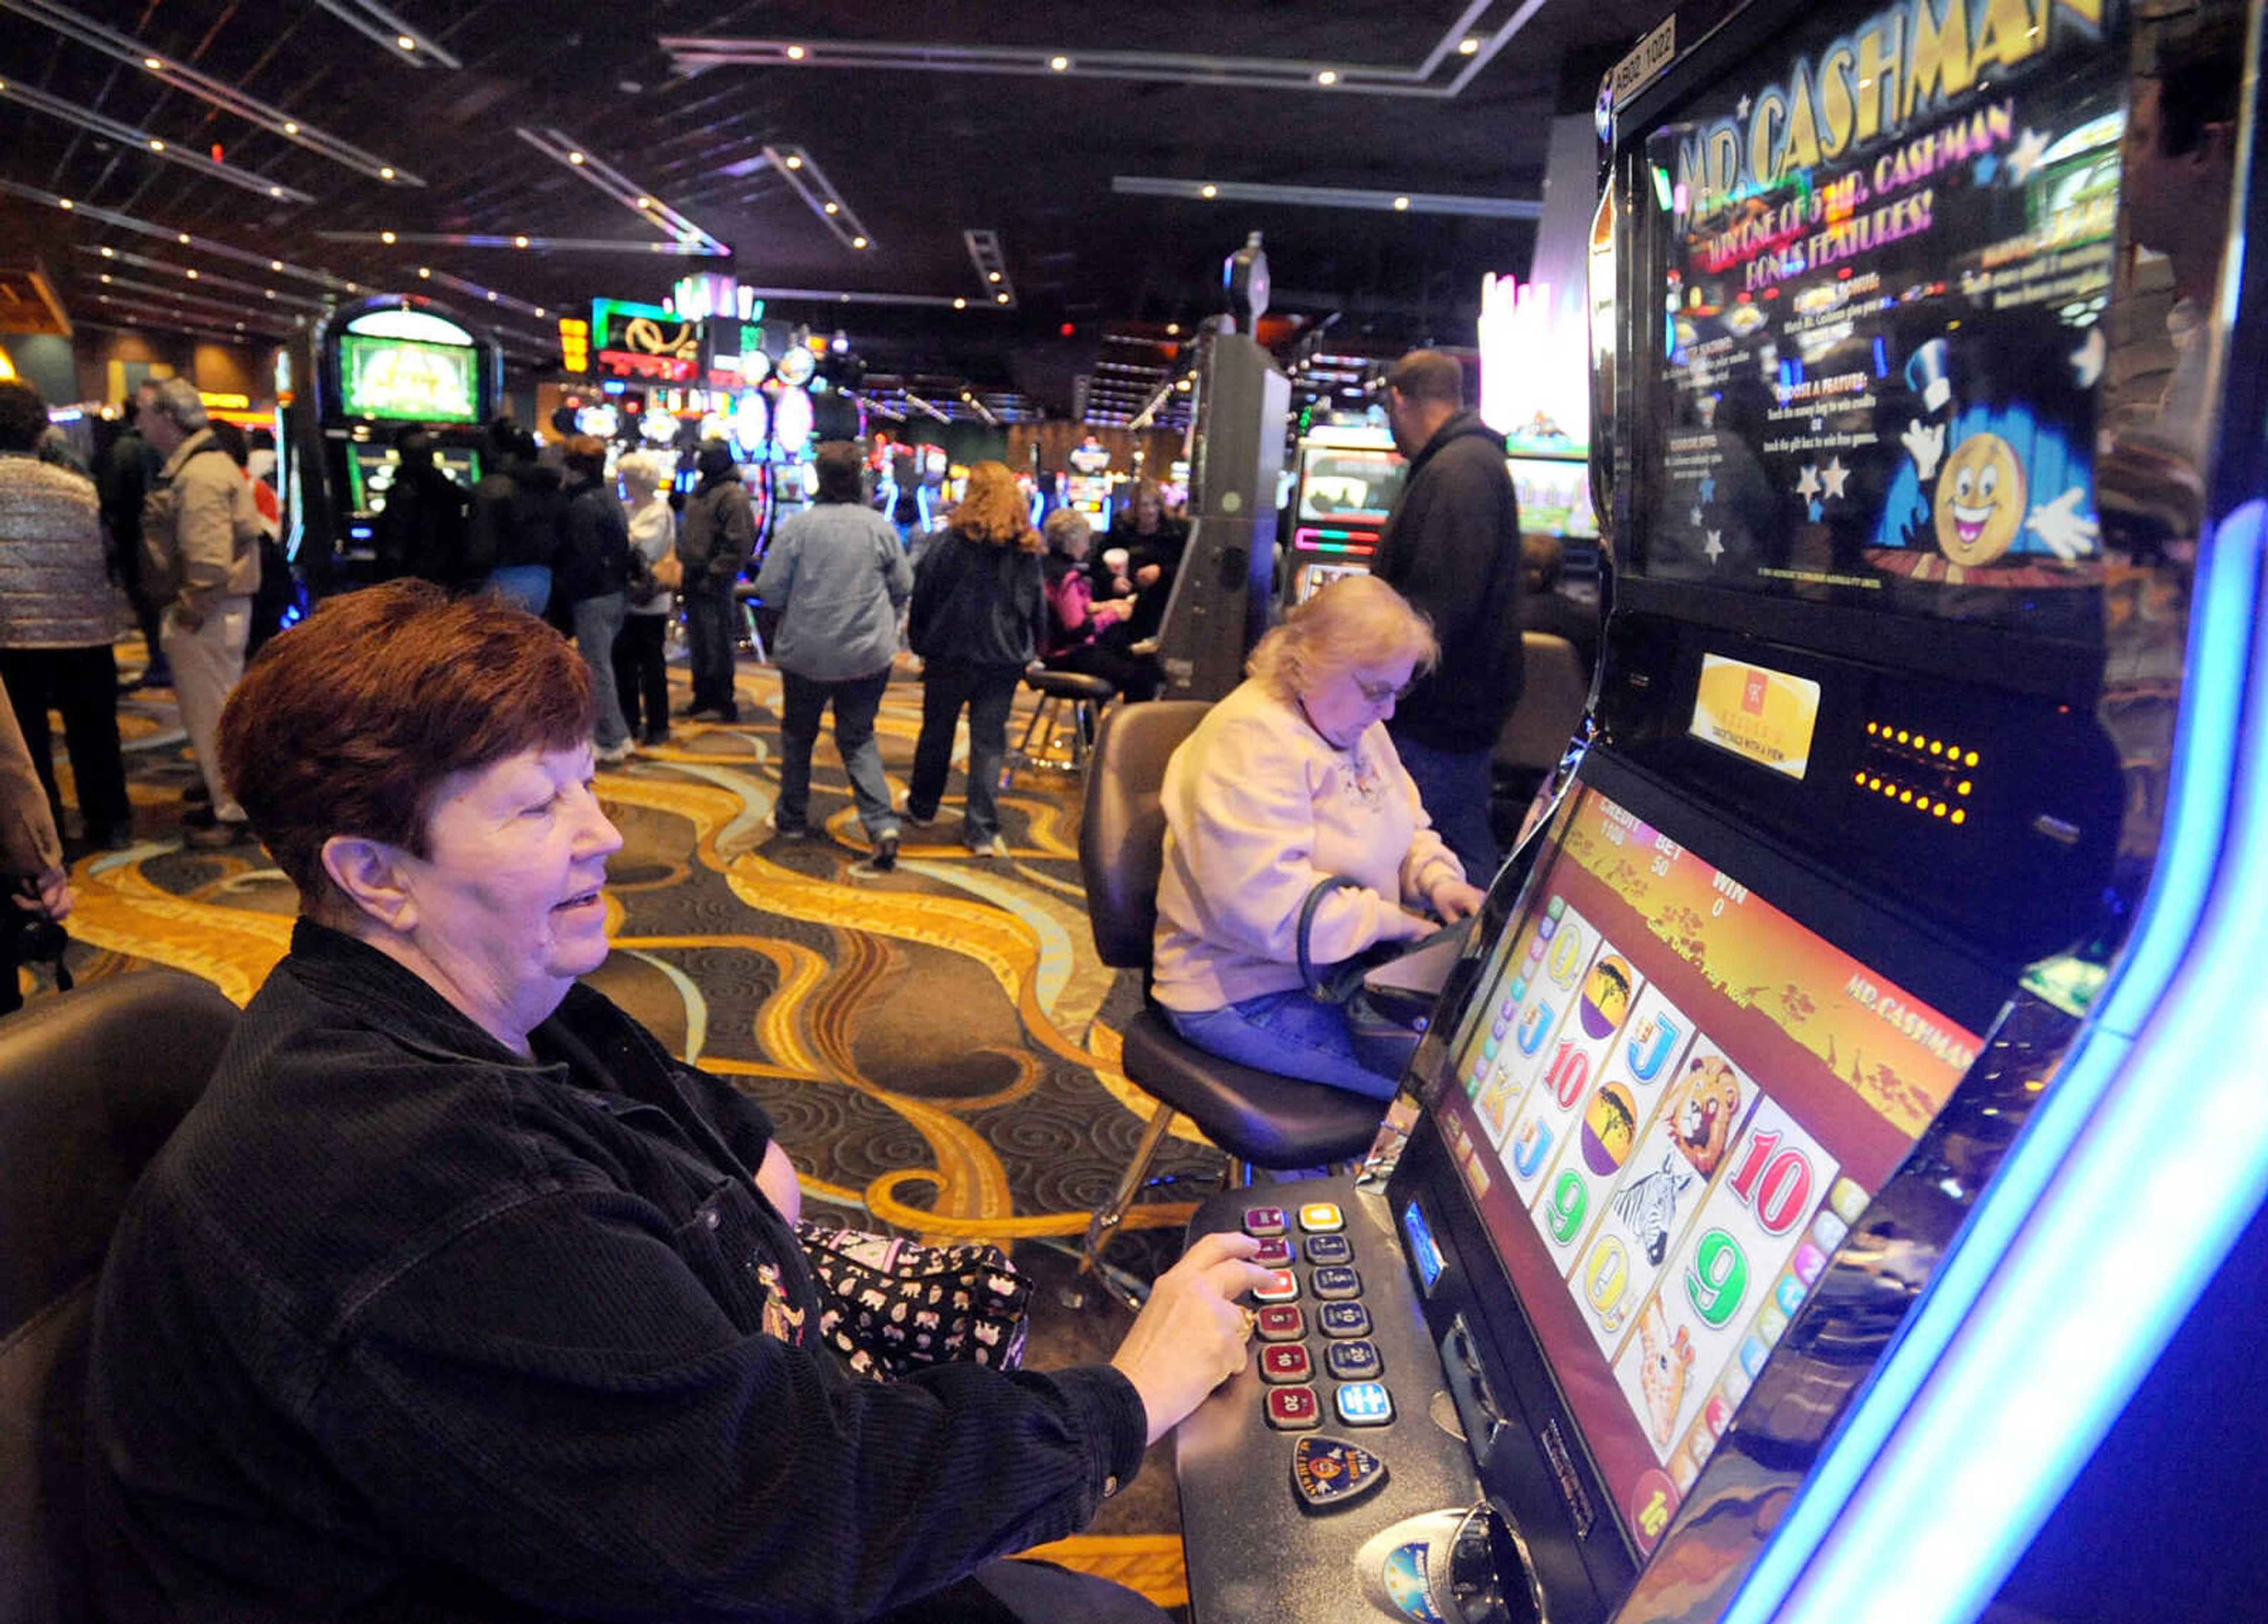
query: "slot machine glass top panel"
1879, 253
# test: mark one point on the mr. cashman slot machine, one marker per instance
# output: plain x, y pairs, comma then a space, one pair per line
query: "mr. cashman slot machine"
1851, 1088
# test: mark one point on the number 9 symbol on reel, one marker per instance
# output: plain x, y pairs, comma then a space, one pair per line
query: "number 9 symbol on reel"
1606, 1280
1717, 1279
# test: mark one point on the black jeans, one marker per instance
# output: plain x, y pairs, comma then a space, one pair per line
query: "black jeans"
642, 674
83, 684
989, 692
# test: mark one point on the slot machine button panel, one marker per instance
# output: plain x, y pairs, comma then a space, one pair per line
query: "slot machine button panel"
1264, 1220
1329, 1249
1336, 1283
1281, 1322
1275, 1252
1281, 1287
1364, 1404
1345, 1320
1355, 1361
1293, 1409
1321, 1219
1281, 1363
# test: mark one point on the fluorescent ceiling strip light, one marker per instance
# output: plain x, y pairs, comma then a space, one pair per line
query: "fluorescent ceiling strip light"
992, 262
921, 405
203, 245
802, 172
1329, 197
134, 323
844, 296
204, 279
640, 201
2048, 1210
135, 288
1458, 42
204, 87
367, 16
486, 295
140, 307
157, 147
458, 239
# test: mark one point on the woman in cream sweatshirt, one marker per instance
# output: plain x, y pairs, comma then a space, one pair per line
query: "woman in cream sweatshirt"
1288, 780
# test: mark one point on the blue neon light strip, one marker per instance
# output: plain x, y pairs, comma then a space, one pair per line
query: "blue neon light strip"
1915, 1455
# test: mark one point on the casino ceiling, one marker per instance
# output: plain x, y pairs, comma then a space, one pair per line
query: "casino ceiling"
996, 191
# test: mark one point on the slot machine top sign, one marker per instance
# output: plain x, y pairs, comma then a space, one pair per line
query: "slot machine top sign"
1883, 259
645, 340
408, 366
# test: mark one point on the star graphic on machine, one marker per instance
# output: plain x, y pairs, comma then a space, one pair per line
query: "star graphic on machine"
1709, 488
1808, 486
2032, 149
2086, 361
1832, 477
1714, 545
1696, 516
1741, 109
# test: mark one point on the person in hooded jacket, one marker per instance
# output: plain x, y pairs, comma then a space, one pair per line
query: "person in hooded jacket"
519, 520
977, 619
590, 584
716, 541
1452, 548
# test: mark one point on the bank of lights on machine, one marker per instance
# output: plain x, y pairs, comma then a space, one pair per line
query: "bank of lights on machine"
1952, 756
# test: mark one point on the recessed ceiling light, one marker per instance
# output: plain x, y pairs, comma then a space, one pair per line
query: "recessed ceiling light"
794, 162
519, 242
152, 63
961, 304
574, 158
795, 53
64, 203
1468, 46
834, 208
991, 275
646, 202
405, 42
109, 253
181, 237
1328, 76
1172, 329
425, 272
857, 242
105, 275
191, 273
274, 191
386, 237
289, 128
157, 145
1059, 64
1402, 202
1208, 190
1003, 298
385, 172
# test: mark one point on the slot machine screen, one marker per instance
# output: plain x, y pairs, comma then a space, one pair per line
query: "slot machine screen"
1348, 485
1670, 1102
1555, 496
407, 380
1870, 329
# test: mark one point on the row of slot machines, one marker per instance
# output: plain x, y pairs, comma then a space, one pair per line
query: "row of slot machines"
1830, 1185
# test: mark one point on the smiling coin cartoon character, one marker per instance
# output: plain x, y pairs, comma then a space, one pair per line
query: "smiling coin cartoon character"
1980, 500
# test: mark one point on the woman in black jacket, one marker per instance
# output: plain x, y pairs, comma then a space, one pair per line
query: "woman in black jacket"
976, 619
588, 587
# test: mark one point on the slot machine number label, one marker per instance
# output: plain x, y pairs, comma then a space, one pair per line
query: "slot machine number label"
1777, 1187
1608, 1279
1571, 1201
1717, 1279
1569, 1075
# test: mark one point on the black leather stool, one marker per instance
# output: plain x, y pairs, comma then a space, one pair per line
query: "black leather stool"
1085, 695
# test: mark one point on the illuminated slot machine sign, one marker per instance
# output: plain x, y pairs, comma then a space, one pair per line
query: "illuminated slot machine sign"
1347, 483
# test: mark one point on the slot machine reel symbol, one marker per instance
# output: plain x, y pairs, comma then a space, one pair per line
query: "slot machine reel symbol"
1470, 1567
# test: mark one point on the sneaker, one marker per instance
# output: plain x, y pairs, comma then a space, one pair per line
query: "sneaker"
654, 737
615, 755
884, 857
201, 829
991, 846
920, 821
785, 831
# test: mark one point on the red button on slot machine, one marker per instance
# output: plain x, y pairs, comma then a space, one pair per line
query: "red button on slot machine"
1293, 1409
1280, 1322
1285, 1361
1275, 1252
1281, 1287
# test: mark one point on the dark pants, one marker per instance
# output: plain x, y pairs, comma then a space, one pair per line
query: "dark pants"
1455, 787
709, 636
1134, 677
1029, 1593
83, 684
989, 692
642, 676
803, 701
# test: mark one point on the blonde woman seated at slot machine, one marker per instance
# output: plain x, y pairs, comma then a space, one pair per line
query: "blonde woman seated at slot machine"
1289, 780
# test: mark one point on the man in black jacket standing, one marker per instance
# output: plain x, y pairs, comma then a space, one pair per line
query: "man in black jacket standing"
1451, 547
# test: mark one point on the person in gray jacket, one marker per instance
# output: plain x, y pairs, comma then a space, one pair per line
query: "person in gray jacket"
56, 621
201, 561
714, 542
838, 574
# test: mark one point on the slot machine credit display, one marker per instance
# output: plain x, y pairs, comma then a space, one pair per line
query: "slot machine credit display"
1671, 1103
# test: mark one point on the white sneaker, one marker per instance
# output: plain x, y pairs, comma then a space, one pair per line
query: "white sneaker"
994, 847
615, 757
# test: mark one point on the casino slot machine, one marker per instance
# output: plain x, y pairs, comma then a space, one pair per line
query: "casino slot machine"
1785, 1198
1347, 479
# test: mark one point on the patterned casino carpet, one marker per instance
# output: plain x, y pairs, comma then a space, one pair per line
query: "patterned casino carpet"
938, 1045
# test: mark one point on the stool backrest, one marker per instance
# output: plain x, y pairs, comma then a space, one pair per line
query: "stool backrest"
91, 1084
1121, 842
1552, 695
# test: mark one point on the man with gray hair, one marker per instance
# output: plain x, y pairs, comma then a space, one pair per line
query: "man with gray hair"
201, 561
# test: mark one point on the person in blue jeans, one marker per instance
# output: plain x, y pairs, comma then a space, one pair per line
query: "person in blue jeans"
588, 584
838, 574
977, 619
